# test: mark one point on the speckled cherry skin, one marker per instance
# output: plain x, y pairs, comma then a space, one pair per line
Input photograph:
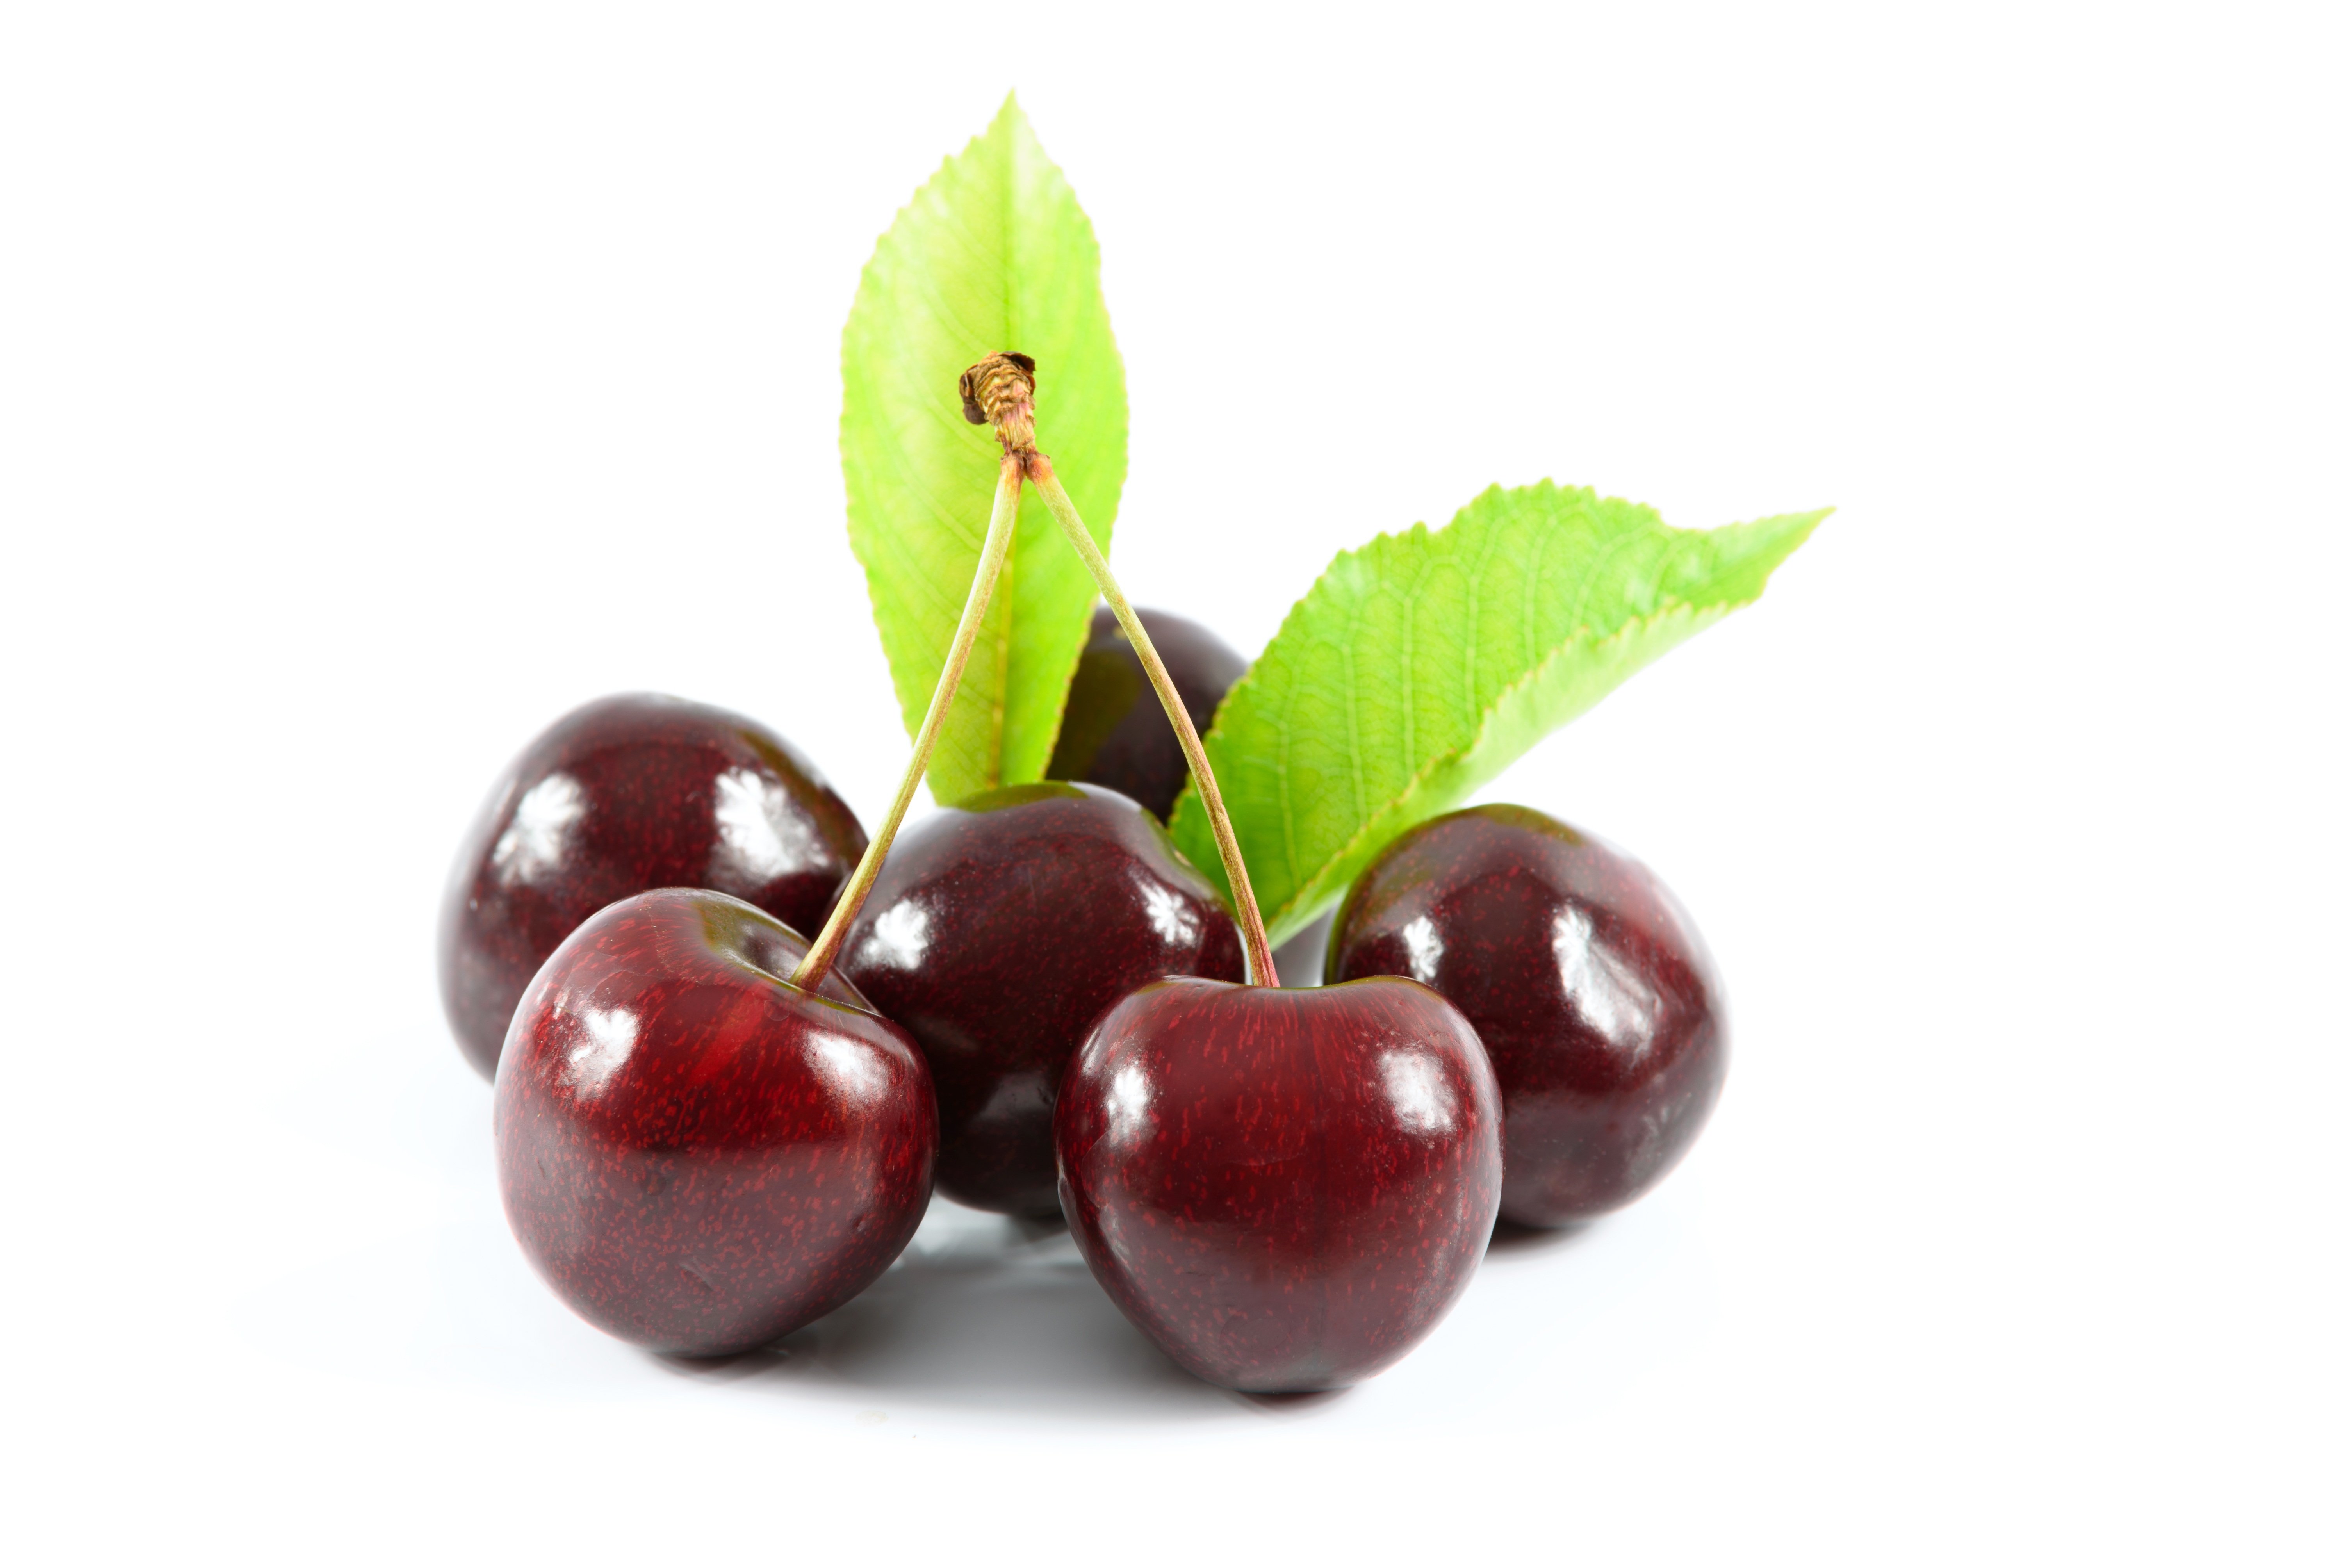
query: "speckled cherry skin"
999, 930
1585, 980
1114, 733
624, 794
698, 1156
1287, 1190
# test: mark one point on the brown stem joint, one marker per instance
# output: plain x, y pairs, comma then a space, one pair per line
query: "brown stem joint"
1000, 390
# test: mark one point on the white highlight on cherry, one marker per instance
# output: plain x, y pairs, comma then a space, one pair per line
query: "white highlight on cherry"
1129, 1104
1609, 996
1424, 948
1174, 922
760, 837
611, 1037
1415, 1087
848, 1067
532, 842
899, 937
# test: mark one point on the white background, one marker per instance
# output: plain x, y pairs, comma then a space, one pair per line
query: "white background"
376, 384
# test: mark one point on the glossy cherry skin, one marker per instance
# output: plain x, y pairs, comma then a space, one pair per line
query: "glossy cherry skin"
623, 795
1287, 1190
698, 1156
1114, 732
999, 931
1585, 980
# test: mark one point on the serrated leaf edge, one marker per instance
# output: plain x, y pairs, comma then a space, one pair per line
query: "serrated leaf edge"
1279, 922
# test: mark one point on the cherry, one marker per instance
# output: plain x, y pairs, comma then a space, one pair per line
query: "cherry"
1113, 733
998, 930
696, 1155
1584, 978
626, 794
1287, 1190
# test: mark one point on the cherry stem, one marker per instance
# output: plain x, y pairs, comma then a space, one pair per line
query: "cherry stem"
1261, 970
991, 556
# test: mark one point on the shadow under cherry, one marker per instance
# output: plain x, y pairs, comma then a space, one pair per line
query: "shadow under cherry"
1511, 1240
982, 1313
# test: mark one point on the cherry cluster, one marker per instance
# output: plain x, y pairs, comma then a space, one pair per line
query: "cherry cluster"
1034, 1010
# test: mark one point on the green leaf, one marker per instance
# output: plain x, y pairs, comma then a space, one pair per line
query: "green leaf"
993, 253
1424, 663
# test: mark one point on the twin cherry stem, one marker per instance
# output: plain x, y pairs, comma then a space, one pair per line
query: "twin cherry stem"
1000, 390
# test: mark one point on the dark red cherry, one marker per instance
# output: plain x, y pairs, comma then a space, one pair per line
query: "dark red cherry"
698, 1156
999, 930
1114, 732
1585, 980
1287, 1190
622, 795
